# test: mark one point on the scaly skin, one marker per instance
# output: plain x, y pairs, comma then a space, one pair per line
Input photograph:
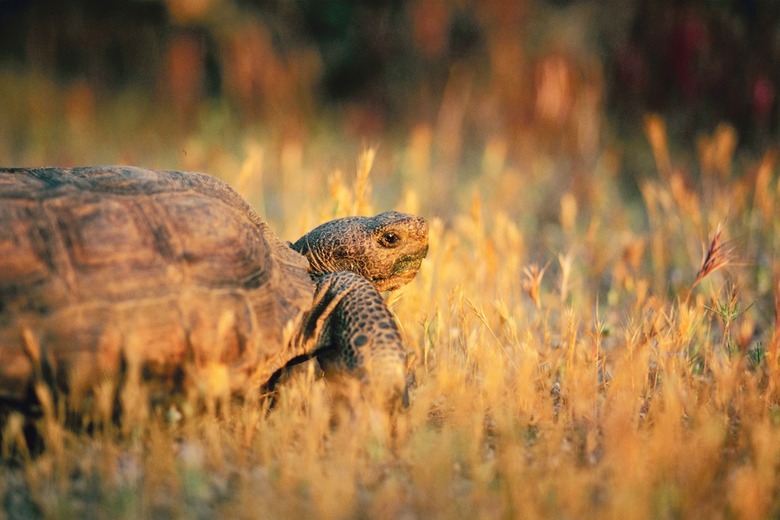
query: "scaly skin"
354, 334
386, 249
349, 327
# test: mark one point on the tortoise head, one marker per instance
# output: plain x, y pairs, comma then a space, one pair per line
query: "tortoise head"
386, 249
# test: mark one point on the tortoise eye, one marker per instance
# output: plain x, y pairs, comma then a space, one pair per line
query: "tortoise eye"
389, 239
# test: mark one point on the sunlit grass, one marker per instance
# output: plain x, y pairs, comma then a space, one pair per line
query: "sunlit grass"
575, 354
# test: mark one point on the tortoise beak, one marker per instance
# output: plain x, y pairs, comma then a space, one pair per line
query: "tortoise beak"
404, 271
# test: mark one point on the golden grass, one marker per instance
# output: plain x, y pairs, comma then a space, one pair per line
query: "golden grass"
572, 359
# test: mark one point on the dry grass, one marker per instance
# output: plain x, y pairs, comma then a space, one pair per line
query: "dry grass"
575, 362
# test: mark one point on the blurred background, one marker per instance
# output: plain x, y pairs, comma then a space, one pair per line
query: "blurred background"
446, 89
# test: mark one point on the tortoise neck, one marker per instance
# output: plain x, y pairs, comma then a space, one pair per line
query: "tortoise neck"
319, 264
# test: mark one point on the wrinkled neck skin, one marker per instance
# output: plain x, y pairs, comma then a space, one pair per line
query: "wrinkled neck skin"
355, 337
322, 258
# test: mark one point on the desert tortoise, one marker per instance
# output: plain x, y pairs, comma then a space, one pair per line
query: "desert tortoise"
174, 271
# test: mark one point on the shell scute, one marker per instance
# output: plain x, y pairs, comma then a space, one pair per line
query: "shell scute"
101, 264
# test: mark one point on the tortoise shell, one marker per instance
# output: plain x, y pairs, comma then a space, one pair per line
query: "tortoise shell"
104, 266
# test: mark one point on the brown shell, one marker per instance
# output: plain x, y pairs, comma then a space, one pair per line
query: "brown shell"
106, 266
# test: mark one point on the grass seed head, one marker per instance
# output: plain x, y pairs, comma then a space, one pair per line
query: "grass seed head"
716, 255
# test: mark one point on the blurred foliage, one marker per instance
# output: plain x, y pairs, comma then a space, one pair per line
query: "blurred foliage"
534, 72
